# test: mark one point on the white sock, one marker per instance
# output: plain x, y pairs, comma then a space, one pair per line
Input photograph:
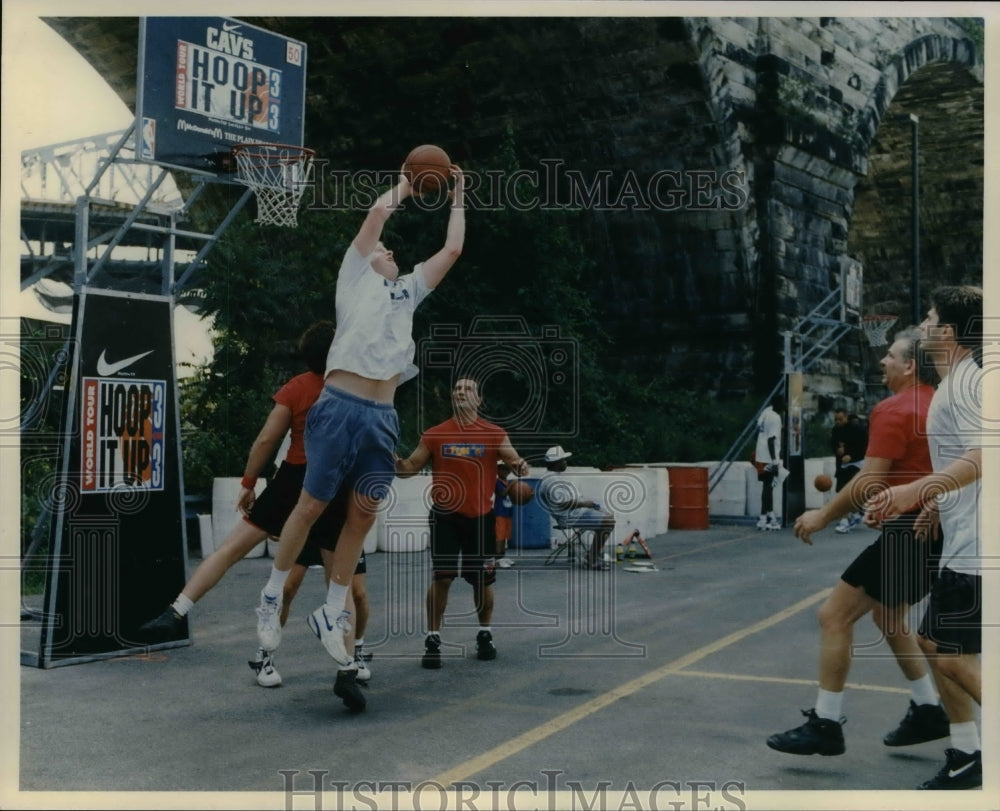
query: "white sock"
275, 584
829, 705
359, 642
965, 737
922, 690
434, 633
182, 605
336, 596
486, 628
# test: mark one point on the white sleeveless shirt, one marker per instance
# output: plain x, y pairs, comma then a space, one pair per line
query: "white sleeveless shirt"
374, 336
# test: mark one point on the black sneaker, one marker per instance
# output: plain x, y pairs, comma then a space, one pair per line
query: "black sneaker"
432, 652
960, 771
167, 626
484, 646
922, 723
346, 688
817, 736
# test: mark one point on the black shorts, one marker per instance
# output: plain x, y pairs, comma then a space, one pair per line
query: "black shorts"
275, 504
462, 546
844, 475
954, 617
897, 568
312, 556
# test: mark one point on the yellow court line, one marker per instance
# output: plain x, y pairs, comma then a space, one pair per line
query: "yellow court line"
705, 674
505, 750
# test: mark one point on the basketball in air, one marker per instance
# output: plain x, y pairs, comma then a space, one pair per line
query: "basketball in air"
428, 169
520, 492
822, 482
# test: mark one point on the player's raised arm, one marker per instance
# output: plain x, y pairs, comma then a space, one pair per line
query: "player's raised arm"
440, 263
371, 229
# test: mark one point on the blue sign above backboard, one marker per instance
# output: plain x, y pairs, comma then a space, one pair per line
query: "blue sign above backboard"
206, 84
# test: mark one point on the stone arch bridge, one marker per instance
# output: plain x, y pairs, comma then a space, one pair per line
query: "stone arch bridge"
733, 167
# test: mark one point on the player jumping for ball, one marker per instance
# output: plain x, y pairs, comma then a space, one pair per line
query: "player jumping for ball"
352, 430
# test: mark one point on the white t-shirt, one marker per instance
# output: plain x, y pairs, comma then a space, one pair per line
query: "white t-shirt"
553, 491
374, 335
769, 425
954, 426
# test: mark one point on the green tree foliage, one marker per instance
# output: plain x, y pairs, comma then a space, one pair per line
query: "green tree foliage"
520, 295
263, 287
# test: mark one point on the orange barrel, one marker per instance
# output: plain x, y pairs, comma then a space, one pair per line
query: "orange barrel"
688, 497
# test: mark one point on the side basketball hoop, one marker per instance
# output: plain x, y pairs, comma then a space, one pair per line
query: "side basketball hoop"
877, 328
278, 175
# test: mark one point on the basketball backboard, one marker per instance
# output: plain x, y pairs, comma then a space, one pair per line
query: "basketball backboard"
206, 84
851, 285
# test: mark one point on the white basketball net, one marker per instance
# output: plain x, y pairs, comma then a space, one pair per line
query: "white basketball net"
278, 175
877, 328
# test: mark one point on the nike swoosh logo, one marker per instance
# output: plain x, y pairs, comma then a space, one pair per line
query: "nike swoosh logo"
326, 619
230, 26
957, 772
105, 369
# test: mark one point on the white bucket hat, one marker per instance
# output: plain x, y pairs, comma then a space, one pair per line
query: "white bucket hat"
556, 453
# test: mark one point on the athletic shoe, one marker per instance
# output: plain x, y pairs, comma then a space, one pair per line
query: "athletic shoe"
762, 523
960, 771
817, 736
922, 723
346, 688
844, 526
432, 652
505, 563
597, 565
168, 625
484, 646
269, 622
773, 524
361, 659
332, 634
263, 666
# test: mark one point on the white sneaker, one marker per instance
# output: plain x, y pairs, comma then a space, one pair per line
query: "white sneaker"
361, 660
762, 522
505, 563
332, 634
263, 666
844, 526
773, 524
269, 622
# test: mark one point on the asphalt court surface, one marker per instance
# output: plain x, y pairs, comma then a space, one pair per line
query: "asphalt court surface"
622, 680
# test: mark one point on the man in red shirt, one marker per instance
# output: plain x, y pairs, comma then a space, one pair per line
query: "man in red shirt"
888, 577
463, 452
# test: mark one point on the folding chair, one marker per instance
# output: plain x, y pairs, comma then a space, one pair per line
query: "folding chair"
572, 537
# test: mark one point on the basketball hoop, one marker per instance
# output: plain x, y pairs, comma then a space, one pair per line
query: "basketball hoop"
877, 327
278, 175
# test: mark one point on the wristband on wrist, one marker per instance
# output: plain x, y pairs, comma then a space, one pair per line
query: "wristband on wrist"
249, 482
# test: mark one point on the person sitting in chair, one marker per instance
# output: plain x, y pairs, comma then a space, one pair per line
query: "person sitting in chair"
559, 498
